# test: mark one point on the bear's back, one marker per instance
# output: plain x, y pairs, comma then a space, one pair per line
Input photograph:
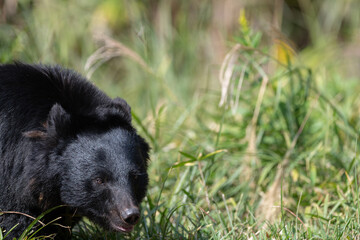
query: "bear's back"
27, 93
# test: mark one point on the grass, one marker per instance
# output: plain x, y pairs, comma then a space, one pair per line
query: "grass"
268, 152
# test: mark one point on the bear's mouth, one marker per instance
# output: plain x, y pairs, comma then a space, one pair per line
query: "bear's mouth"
125, 228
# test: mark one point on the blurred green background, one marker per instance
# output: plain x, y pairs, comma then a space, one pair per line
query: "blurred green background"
251, 107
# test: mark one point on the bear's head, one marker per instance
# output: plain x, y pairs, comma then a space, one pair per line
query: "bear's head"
105, 177
103, 161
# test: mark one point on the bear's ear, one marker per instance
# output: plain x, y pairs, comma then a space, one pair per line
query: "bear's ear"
59, 122
114, 111
123, 105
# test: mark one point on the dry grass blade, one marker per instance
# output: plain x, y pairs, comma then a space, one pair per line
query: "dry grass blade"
251, 129
265, 210
225, 75
226, 71
292, 213
110, 49
204, 184
20, 213
235, 103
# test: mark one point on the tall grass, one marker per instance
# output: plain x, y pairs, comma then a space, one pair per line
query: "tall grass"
250, 140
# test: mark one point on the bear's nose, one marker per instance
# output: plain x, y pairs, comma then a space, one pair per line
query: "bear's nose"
131, 215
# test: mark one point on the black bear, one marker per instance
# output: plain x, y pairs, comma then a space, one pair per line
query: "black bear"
65, 142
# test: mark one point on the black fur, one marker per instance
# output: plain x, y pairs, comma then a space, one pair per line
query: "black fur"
64, 142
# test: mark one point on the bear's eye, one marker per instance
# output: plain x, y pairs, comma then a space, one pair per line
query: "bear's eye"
99, 181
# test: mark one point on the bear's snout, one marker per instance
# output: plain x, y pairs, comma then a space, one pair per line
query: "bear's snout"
125, 215
125, 220
131, 215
